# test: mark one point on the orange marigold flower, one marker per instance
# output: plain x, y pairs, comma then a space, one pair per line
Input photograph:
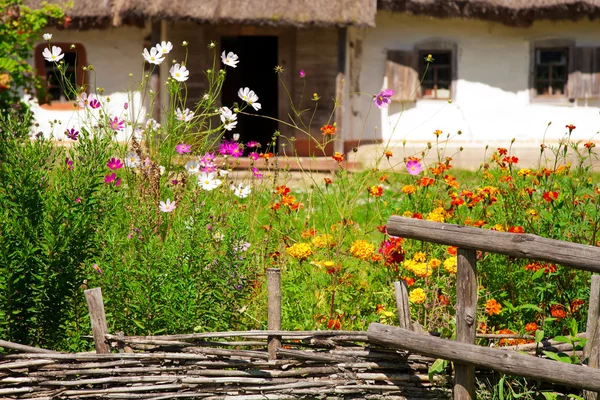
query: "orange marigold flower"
297, 206
452, 250
424, 181
589, 145
380, 308
531, 327
516, 229
388, 154
376, 257
557, 311
375, 191
409, 189
308, 233
334, 324
266, 156
550, 196
327, 181
482, 328
328, 130
383, 178
479, 223
576, 305
437, 132
275, 206
282, 190
417, 216
451, 181
530, 191
444, 300
511, 160
288, 200
339, 157
492, 307
409, 281
570, 127
502, 151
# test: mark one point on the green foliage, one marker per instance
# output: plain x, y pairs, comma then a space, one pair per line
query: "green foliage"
20, 28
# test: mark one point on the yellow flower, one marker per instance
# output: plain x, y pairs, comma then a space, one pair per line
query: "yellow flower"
409, 189
417, 296
450, 265
410, 264
420, 256
301, 251
421, 270
434, 263
437, 215
533, 213
323, 241
407, 214
437, 132
362, 249
524, 172
499, 228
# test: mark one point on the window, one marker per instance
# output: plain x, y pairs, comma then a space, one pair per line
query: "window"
58, 88
436, 75
551, 72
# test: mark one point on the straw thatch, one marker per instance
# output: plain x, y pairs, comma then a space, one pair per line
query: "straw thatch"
257, 12
508, 12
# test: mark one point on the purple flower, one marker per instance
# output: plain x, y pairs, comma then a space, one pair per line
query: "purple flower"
126, 106
252, 144
114, 164
110, 178
69, 163
384, 98
118, 182
174, 182
97, 268
183, 148
413, 167
302, 74
72, 133
256, 173
94, 103
230, 149
116, 124
78, 200
254, 155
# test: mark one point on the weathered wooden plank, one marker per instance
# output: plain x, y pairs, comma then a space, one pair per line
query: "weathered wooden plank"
592, 346
274, 310
402, 304
521, 245
508, 362
466, 316
347, 335
21, 347
98, 318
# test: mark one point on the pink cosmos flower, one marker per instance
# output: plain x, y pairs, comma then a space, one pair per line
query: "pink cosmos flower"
116, 124
252, 144
230, 149
256, 173
384, 98
69, 163
114, 164
110, 178
118, 182
254, 155
72, 133
183, 148
97, 269
125, 106
78, 200
413, 167
94, 103
302, 74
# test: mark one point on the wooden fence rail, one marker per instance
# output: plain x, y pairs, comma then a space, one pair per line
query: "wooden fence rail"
463, 351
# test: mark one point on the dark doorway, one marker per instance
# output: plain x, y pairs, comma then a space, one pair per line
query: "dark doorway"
256, 70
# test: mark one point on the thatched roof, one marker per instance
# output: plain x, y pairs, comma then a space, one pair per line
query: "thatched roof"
260, 12
508, 12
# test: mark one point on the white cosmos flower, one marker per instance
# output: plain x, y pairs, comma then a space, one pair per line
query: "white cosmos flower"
179, 72
241, 191
223, 172
228, 117
54, 55
230, 59
153, 57
152, 124
132, 160
167, 206
164, 48
249, 97
185, 115
207, 181
161, 169
192, 166
47, 36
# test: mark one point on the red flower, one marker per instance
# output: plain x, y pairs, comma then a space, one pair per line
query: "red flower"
502, 151
409, 281
388, 154
339, 157
334, 324
328, 130
570, 127
516, 229
327, 181
550, 196
589, 145
557, 311
531, 327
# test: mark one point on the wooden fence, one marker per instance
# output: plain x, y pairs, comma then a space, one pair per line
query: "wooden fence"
463, 352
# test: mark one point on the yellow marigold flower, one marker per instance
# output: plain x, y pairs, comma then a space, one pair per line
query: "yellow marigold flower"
437, 215
524, 172
301, 251
434, 263
407, 214
420, 256
409, 189
533, 213
437, 132
498, 228
410, 264
417, 296
450, 265
362, 249
323, 241
421, 270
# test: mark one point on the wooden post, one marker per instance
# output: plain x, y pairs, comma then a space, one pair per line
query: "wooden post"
274, 310
592, 346
98, 318
402, 304
466, 316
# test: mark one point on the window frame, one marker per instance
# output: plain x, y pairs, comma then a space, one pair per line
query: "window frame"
422, 54
80, 74
537, 67
550, 44
439, 45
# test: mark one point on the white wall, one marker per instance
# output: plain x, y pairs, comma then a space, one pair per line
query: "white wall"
492, 102
114, 53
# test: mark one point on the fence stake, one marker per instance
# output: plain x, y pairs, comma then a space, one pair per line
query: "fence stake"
466, 316
98, 318
592, 346
274, 310
402, 304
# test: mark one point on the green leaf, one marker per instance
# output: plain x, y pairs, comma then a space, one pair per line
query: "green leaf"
537, 274
438, 367
530, 307
550, 395
562, 339
539, 336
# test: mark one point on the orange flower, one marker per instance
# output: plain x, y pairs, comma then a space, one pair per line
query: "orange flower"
328, 130
502, 151
282, 190
451, 181
409, 189
516, 229
550, 196
375, 191
589, 145
444, 300
308, 233
492, 307
557, 311
334, 324
424, 181
576, 305
380, 308
531, 327
388, 154
437, 132
338, 157
266, 156
275, 206
409, 281
327, 181
570, 127
452, 250
510, 160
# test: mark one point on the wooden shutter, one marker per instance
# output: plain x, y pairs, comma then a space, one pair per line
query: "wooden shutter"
401, 70
584, 74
